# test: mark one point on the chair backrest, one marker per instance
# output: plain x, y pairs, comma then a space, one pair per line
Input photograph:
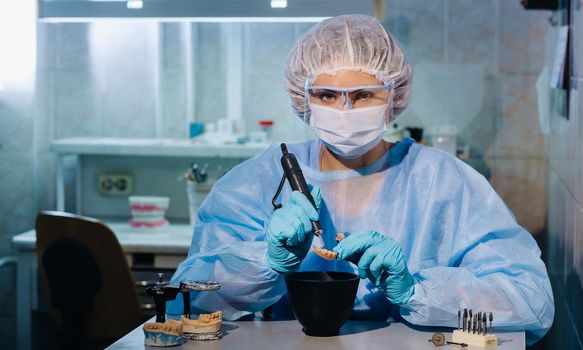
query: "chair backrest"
83, 269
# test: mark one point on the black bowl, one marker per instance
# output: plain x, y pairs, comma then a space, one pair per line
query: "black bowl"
321, 300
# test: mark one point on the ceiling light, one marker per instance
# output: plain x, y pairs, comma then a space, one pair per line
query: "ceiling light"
135, 4
278, 4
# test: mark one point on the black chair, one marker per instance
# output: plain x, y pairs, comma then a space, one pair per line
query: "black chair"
86, 281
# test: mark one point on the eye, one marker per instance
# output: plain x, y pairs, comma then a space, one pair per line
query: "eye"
364, 95
327, 97
324, 96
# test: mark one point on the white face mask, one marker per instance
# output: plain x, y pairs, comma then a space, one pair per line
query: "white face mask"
349, 133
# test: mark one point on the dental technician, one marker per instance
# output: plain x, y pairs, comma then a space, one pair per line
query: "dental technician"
426, 233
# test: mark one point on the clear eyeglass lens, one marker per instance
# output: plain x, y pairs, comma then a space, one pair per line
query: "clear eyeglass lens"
353, 99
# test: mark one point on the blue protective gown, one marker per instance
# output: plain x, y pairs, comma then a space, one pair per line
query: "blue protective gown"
462, 244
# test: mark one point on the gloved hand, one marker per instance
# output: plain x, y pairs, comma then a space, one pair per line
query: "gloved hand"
289, 233
380, 258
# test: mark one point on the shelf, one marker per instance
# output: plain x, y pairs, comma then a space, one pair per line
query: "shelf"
173, 239
153, 147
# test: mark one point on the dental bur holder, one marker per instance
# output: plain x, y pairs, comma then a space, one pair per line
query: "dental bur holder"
475, 331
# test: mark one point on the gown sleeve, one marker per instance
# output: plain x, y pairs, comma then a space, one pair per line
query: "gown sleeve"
495, 264
228, 244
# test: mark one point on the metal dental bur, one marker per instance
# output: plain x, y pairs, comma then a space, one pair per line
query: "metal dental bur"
484, 325
479, 321
491, 316
465, 319
459, 314
470, 322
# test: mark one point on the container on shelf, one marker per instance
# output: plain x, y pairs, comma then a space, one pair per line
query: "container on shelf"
148, 211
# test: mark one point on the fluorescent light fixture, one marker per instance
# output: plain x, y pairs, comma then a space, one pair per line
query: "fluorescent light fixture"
135, 4
185, 19
278, 4
84, 11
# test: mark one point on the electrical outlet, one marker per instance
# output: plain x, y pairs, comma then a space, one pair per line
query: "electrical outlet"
116, 184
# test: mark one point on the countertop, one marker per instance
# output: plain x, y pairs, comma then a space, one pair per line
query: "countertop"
281, 335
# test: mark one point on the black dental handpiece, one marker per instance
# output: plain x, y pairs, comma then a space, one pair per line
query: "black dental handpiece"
294, 176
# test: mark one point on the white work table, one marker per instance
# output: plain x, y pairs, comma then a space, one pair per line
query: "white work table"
281, 335
169, 247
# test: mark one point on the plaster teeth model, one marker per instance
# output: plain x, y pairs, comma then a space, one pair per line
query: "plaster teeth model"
206, 327
168, 333
325, 253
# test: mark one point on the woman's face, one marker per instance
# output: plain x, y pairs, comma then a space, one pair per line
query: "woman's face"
348, 79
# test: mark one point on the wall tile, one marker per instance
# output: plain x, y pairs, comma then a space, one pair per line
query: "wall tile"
172, 52
123, 66
268, 46
16, 119
17, 207
518, 134
578, 242
128, 111
75, 106
522, 185
535, 207
266, 100
45, 47
563, 136
72, 46
480, 132
46, 181
572, 165
472, 32
556, 221
128, 114
551, 244
569, 234
174, 124
210, 99
450, 94
578, 40
561, 209
557, 147
521, 38
579, 149
419, 26
45, 121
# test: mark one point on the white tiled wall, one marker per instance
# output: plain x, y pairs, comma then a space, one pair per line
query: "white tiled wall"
565, 239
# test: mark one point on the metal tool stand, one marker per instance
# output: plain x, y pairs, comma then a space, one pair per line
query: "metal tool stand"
161, 292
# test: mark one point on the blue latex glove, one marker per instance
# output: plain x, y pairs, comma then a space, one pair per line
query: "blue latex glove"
289, 233
380, 258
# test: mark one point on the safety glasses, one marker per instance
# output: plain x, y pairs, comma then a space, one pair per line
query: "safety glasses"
353, 97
